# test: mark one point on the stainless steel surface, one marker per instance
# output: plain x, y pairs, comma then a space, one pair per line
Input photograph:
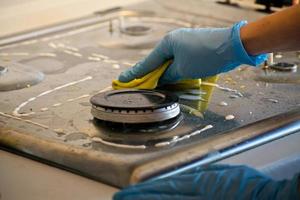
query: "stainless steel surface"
266, 131
52, 121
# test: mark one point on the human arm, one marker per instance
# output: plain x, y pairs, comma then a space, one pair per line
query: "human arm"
276, 32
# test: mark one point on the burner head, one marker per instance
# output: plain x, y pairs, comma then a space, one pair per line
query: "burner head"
135, 106
3, 70
283, 66
14, 76
136, 30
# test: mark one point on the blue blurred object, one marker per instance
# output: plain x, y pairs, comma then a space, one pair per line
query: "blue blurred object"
214, 182
196, 53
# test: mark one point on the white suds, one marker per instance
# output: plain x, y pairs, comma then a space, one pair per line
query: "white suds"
77, 54
80, 97
236, 92
47, 54
229, 117
72, 53
116, 66
27, 121
29, 42
272, 100
97, 139
162, 144
15, 54
177, 139
111, 61
71, 48
223, 103
44, 109
52, 45
100, 56
94, 58
128, 64
233, 96
105, 89
59, 130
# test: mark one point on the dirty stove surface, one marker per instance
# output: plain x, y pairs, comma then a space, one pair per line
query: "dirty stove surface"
46, 82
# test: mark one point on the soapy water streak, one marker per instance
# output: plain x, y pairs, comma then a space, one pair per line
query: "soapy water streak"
99, 140
69, 100
27, 121
18, 108
158, 145
226, 89
178, 139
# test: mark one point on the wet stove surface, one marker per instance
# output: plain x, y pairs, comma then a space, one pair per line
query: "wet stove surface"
48, 115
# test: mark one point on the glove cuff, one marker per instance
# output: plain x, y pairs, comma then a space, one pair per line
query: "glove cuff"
239, 50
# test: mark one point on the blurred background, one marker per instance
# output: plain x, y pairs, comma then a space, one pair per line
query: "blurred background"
20, 15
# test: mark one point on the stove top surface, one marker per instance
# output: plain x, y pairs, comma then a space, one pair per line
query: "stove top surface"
49, 79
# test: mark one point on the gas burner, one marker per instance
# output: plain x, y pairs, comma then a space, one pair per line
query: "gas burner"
141, 134
136, 30
16, 76
140, 128
3, 70
135, 106
283, 66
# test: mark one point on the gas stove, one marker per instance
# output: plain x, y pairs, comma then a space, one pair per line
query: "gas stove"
47, 77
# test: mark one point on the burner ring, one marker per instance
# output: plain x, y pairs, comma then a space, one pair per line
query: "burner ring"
135, 106
3, 70
136, 30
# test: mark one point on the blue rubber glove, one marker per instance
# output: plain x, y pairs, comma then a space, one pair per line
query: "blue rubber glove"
196, 53
214, 182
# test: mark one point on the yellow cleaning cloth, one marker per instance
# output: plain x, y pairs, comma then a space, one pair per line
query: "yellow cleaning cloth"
150, 81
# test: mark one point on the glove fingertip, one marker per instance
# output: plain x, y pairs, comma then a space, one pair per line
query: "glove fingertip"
126, 76
121, 195
170, 76
123, 78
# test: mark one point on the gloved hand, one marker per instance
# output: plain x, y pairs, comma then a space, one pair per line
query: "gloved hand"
214, 182
196, 53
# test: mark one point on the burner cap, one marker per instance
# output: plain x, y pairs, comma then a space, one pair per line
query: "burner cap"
135, 106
